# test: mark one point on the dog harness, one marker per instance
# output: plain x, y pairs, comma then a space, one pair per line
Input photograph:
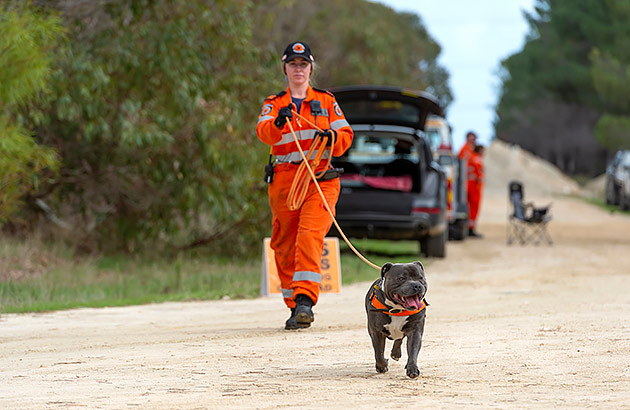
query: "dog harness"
376, 300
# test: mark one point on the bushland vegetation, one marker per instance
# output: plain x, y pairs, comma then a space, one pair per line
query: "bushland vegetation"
128, 125
566, 95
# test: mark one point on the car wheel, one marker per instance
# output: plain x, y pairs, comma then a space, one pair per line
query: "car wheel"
465, 229
434, 246
459, 230
613, 194
616, 194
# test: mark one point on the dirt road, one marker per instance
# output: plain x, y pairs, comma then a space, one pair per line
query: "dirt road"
508, 327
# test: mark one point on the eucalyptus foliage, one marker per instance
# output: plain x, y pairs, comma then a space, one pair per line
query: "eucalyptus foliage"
152, 107
153, 113
26, 42
357, 42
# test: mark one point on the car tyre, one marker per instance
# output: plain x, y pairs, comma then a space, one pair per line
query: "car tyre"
459, 230
613, 196
434, 246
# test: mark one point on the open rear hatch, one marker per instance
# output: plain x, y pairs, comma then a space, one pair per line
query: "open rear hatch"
385, 167
386, 105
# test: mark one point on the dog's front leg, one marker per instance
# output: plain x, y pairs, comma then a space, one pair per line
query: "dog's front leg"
378, 343
414, 343
396, 349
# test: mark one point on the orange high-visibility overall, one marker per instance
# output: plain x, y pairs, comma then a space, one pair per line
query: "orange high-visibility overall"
297, 236
475, 187
466, 151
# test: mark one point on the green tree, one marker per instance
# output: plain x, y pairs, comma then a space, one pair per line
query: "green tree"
611, 78
26, 44
553, 92
155, 104
356, 42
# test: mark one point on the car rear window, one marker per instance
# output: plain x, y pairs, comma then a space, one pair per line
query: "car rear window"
374, 147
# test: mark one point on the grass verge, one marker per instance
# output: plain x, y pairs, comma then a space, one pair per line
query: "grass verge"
36, 277
600, 202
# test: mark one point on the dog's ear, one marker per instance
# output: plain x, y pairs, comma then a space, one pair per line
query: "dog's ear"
420, 265
385, 268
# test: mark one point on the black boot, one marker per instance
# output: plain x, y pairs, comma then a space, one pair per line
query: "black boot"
303, 312
292, 324
472, 233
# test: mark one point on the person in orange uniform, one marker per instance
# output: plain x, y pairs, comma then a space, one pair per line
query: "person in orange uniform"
475, 188
468, 147
464, 153
297, 236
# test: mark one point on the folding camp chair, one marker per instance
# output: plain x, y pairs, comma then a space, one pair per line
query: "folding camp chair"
526, 223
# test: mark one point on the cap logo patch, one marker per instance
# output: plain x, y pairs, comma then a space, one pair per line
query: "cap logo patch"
298, 48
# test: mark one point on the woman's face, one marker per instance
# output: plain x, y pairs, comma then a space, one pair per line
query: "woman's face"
298, 71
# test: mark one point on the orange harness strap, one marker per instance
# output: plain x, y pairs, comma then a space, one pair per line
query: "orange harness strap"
375, 302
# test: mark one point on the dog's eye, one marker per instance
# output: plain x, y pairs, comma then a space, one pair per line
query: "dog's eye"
401, 279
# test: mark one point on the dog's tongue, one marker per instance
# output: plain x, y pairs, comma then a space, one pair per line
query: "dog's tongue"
413, 301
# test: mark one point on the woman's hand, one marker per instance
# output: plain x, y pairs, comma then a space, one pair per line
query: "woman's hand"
331, 134
283, 114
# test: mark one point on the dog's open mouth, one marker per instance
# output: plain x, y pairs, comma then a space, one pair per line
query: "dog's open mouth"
413, 302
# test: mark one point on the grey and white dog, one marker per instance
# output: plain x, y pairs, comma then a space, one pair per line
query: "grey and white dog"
395, 308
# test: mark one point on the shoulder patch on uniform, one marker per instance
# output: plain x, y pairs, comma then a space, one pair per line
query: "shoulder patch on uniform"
337, 109
321, 90
266, 109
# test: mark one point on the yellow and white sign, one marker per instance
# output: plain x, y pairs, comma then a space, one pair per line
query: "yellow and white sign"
331, 269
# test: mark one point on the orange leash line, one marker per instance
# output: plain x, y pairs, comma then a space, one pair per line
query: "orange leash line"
314, 178
306, 121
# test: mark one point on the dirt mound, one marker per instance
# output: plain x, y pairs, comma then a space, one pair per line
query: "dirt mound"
596, 188
505, 163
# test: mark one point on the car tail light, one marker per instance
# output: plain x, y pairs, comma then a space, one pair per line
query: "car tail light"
425, 210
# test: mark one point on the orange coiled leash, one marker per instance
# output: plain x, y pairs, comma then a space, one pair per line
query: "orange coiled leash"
301, 183
299, 188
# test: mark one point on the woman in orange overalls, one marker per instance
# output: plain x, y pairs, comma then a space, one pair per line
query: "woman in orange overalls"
468, 147
297, 236
475, 188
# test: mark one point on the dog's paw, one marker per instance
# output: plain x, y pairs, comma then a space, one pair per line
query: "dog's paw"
396, 354
412, 371
381, 367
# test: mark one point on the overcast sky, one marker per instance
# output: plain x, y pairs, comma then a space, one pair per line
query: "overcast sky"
475, 36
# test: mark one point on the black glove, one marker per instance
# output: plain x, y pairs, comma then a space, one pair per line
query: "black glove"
283, 114
331, 134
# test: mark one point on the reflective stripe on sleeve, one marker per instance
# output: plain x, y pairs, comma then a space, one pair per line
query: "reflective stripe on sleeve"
307, 275
335, 125
264, 118
287, 293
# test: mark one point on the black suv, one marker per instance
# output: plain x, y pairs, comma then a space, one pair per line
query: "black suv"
391, 188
